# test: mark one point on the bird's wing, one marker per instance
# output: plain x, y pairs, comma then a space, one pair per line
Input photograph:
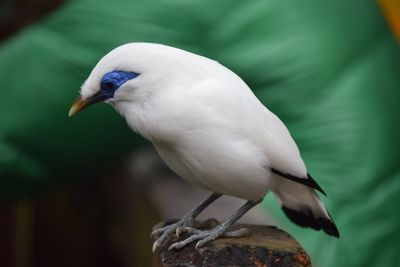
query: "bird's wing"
236, 104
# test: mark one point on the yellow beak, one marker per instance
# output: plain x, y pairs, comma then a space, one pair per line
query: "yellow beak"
78, 105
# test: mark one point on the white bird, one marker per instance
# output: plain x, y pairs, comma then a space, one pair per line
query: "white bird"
209, 128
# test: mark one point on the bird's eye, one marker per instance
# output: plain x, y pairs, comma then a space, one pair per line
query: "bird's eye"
108, 85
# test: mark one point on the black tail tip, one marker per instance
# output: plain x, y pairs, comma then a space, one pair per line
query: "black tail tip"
330, 228
305, 218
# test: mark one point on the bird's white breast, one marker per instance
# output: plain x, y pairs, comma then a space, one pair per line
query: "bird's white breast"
221, 163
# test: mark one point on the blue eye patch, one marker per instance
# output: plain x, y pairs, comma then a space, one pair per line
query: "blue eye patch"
110, 82
113, 80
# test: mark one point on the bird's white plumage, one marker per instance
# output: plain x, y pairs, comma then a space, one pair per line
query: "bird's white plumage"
209, 128
204, 121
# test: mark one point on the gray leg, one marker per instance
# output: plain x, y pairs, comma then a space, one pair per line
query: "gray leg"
163, 234
218, 231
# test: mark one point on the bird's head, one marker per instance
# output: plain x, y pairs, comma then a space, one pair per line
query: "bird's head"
130, 73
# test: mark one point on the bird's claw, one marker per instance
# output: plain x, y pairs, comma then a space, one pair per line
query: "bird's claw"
189, 227
164, 236
164, 232
163, 226
205, 236
156, 232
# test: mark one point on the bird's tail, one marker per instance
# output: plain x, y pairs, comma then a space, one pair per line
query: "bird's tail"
302, 205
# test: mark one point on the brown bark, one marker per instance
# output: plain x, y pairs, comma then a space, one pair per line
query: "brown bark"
266, 246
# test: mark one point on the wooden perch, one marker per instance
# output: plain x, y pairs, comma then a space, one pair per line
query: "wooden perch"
266, 246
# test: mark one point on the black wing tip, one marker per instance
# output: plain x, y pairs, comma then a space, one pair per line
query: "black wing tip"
310, 182
306, 219
314, 184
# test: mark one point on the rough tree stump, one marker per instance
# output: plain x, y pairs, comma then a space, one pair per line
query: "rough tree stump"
266, 246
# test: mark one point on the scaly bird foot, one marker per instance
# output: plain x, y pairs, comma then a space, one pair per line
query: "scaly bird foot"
164, 231
205, 236
196, 224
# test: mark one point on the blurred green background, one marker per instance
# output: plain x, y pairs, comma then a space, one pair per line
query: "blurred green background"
329, 70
